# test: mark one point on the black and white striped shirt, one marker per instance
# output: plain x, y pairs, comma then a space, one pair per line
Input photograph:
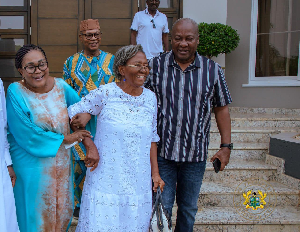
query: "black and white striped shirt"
185, 100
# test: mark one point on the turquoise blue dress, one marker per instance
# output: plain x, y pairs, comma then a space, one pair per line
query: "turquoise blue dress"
37, 124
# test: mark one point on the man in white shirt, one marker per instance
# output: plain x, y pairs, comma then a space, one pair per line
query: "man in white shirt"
150, 29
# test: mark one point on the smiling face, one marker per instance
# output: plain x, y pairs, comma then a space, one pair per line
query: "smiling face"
185, 40
90, 46
135, 76
37, 80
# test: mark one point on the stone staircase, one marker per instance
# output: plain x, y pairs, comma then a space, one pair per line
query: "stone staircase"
221, 198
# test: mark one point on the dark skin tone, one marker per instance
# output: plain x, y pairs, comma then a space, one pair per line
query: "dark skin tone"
12, 175
135, 79
92, 156
224, 125
91, 46
184, 41
41, 82
152, 8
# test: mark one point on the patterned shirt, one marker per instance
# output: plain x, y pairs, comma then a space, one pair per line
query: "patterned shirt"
185, 100
84, 74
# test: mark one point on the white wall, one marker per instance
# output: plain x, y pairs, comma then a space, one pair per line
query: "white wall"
208, 11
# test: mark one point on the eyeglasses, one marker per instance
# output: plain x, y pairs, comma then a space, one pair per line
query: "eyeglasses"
152, 1
32, 68
139, 66
152, 21
89, 36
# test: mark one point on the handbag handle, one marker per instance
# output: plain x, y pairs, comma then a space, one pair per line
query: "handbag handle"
159, 212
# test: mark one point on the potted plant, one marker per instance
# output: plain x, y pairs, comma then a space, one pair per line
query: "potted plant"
216, 38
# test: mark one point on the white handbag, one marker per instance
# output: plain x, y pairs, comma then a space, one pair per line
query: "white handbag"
160, 220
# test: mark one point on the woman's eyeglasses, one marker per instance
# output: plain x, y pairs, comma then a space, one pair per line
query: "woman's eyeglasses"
153, 24
30, 69
139, 66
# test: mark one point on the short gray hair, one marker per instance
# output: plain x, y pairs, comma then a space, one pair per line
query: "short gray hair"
192, 21
123, 55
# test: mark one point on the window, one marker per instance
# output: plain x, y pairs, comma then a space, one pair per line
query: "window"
14, 33
274, 48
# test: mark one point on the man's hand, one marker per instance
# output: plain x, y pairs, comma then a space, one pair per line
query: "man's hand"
12, 175
223, 155
80, 120
92, 156
224, 125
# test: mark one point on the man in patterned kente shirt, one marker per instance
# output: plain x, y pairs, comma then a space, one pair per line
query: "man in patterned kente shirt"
85, 71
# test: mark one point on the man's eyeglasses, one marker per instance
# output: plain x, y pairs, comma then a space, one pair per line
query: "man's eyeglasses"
32, 68
89, 36
153, 24
139, 66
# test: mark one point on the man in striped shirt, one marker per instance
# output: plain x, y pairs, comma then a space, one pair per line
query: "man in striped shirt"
187, 87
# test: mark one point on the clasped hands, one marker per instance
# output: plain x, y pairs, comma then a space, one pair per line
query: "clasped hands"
78, 123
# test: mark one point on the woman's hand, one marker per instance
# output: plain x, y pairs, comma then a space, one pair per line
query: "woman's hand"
157, 181
12, 175
80, 120
77, 136
92, 155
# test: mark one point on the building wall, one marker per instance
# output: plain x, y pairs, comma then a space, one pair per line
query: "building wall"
208, 11
237, 67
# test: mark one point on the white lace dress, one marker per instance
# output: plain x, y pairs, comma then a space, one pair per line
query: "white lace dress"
117, 196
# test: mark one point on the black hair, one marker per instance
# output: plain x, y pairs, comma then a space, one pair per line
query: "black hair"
23, 51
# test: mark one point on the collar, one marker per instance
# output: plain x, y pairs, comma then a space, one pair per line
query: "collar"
91, 57
147, 12
195, 64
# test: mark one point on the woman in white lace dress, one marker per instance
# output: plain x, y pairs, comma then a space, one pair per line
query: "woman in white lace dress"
117, 195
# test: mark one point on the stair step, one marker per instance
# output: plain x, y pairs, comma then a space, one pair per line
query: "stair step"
277, 219
241, 170
224, 194
271, 111
247, 134
261, 121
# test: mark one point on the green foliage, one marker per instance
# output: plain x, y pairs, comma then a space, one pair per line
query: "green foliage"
216, 38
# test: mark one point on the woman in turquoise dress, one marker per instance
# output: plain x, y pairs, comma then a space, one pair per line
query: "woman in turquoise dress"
39, 129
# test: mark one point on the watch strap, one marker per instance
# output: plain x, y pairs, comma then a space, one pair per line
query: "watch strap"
229, 145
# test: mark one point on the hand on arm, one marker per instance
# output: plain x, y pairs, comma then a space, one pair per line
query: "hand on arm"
224, 125
80, 120
133, 36
157, 181
92, 155
12, 175
78, 136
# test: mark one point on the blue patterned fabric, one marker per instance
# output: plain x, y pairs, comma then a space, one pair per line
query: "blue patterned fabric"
84, 74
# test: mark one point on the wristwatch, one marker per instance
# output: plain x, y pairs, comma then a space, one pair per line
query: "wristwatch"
229, 145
